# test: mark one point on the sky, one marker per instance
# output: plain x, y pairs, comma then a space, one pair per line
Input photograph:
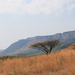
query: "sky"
20, 19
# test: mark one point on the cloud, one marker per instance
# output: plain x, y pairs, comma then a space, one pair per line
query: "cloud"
34, 6
71, 7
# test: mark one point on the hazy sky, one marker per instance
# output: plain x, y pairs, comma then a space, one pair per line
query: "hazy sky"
20, 19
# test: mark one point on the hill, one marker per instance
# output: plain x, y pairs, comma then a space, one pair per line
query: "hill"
23, 45
57, 63
63, 46
33, 52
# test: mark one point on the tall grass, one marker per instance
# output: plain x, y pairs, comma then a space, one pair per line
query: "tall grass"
57, 63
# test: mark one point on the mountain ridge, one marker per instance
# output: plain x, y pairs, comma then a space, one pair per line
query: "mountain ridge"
23, 44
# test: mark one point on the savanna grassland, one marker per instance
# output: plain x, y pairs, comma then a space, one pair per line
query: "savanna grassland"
57, 63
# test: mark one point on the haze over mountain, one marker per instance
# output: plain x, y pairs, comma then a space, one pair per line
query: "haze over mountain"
1, 50
23, 44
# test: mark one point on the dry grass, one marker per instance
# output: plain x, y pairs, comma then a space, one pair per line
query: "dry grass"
57, 63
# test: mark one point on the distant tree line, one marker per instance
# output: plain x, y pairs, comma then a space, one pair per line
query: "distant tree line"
7, 57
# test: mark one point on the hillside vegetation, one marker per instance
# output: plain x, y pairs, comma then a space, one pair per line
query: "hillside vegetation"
33, 52
63, 46
57, 63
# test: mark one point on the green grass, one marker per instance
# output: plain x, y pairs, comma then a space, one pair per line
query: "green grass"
28, 54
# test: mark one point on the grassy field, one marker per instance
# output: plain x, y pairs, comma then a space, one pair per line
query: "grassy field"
57, 63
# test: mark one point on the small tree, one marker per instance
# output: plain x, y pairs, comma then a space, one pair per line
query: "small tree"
46, 47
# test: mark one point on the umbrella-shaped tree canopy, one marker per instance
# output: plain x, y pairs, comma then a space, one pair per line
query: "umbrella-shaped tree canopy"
46, 46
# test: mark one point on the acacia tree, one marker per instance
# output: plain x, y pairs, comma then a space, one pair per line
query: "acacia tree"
46, 47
